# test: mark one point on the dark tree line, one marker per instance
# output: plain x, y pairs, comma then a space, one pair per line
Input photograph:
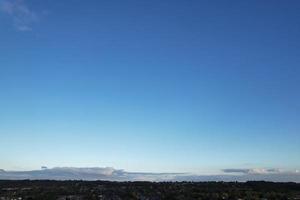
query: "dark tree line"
93, 190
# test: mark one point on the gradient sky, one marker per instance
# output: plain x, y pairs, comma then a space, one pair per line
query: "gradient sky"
158, 86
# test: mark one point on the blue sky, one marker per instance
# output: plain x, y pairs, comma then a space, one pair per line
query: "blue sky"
157, 86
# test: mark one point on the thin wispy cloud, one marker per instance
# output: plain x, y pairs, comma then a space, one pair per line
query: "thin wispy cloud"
257, 171
19, 12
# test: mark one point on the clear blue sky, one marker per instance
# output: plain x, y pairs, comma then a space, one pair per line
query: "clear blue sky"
161, 86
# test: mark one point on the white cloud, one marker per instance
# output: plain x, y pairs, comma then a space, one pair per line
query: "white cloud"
19, 12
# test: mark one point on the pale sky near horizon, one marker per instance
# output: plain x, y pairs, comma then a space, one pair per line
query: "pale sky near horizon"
158, 86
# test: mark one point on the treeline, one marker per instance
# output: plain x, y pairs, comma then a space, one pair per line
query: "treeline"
76, 190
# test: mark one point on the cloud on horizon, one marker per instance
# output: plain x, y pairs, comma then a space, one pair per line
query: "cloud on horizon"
21, 15
95, 173
254, 171
111, 174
